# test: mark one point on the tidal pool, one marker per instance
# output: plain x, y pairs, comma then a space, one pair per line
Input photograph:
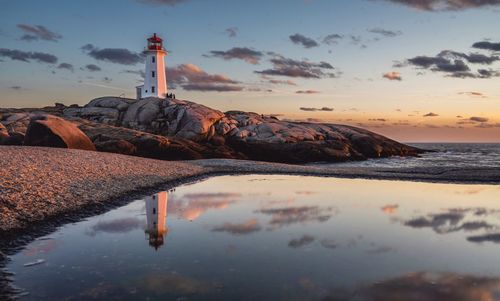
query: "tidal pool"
277, 238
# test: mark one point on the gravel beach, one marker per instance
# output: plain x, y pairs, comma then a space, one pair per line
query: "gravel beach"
38, 184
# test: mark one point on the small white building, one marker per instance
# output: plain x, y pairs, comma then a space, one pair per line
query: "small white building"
155, 79
156, 215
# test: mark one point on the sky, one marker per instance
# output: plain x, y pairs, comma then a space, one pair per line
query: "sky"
413, 70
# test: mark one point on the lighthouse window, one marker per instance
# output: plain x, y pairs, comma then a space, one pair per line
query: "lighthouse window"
154, 210
152, 59
152, 73
153, 89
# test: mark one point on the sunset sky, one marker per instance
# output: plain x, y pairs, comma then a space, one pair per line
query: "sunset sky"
414, 70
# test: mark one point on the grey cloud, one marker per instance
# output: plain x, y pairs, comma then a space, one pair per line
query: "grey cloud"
478, 119
242, 53
443, 5
332, 39
453, 64
141, 73
113, 55
162, 2
385, 32
211, 87
487, 46
303, 40
431, 115
191, 77
35, 32
280, 82
15, 88
307, 92
325, 109
294, 68
92, 68
232, 31
27, 56
66, 66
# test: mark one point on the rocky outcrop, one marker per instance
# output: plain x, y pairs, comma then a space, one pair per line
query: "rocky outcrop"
173, 129
167, 117
52, 131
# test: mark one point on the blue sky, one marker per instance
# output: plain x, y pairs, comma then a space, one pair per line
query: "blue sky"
359, 94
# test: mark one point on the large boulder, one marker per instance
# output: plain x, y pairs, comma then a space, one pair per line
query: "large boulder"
52, 131
193, 121
3, 132
118, 103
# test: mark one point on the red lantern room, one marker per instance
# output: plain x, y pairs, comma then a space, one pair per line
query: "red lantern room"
155, 43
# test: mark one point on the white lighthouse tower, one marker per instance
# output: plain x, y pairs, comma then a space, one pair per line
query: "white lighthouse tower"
156, 216
155, 80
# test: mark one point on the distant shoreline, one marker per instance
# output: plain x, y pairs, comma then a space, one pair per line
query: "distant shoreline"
45, 187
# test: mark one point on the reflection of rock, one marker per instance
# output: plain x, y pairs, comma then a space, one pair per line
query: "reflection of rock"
156, 214
426, 286
247, 227
52, 131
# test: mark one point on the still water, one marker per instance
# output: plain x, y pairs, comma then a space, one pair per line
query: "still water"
277, 238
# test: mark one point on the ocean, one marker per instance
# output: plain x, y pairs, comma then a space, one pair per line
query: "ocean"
455, 155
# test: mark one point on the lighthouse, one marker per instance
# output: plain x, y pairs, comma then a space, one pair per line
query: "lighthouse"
155, 80
156, 216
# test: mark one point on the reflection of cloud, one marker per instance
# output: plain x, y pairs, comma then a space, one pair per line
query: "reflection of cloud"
281, 217
427, 286
329, 243
390, 209
491, 237
173, 284
300, 242
44, 246
121, 225
190, 206
452, 221
379, 250
247, 227
305, 192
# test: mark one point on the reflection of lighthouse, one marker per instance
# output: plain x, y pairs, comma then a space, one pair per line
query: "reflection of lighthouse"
156, 213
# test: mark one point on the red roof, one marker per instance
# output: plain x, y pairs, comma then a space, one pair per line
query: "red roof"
154, 38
